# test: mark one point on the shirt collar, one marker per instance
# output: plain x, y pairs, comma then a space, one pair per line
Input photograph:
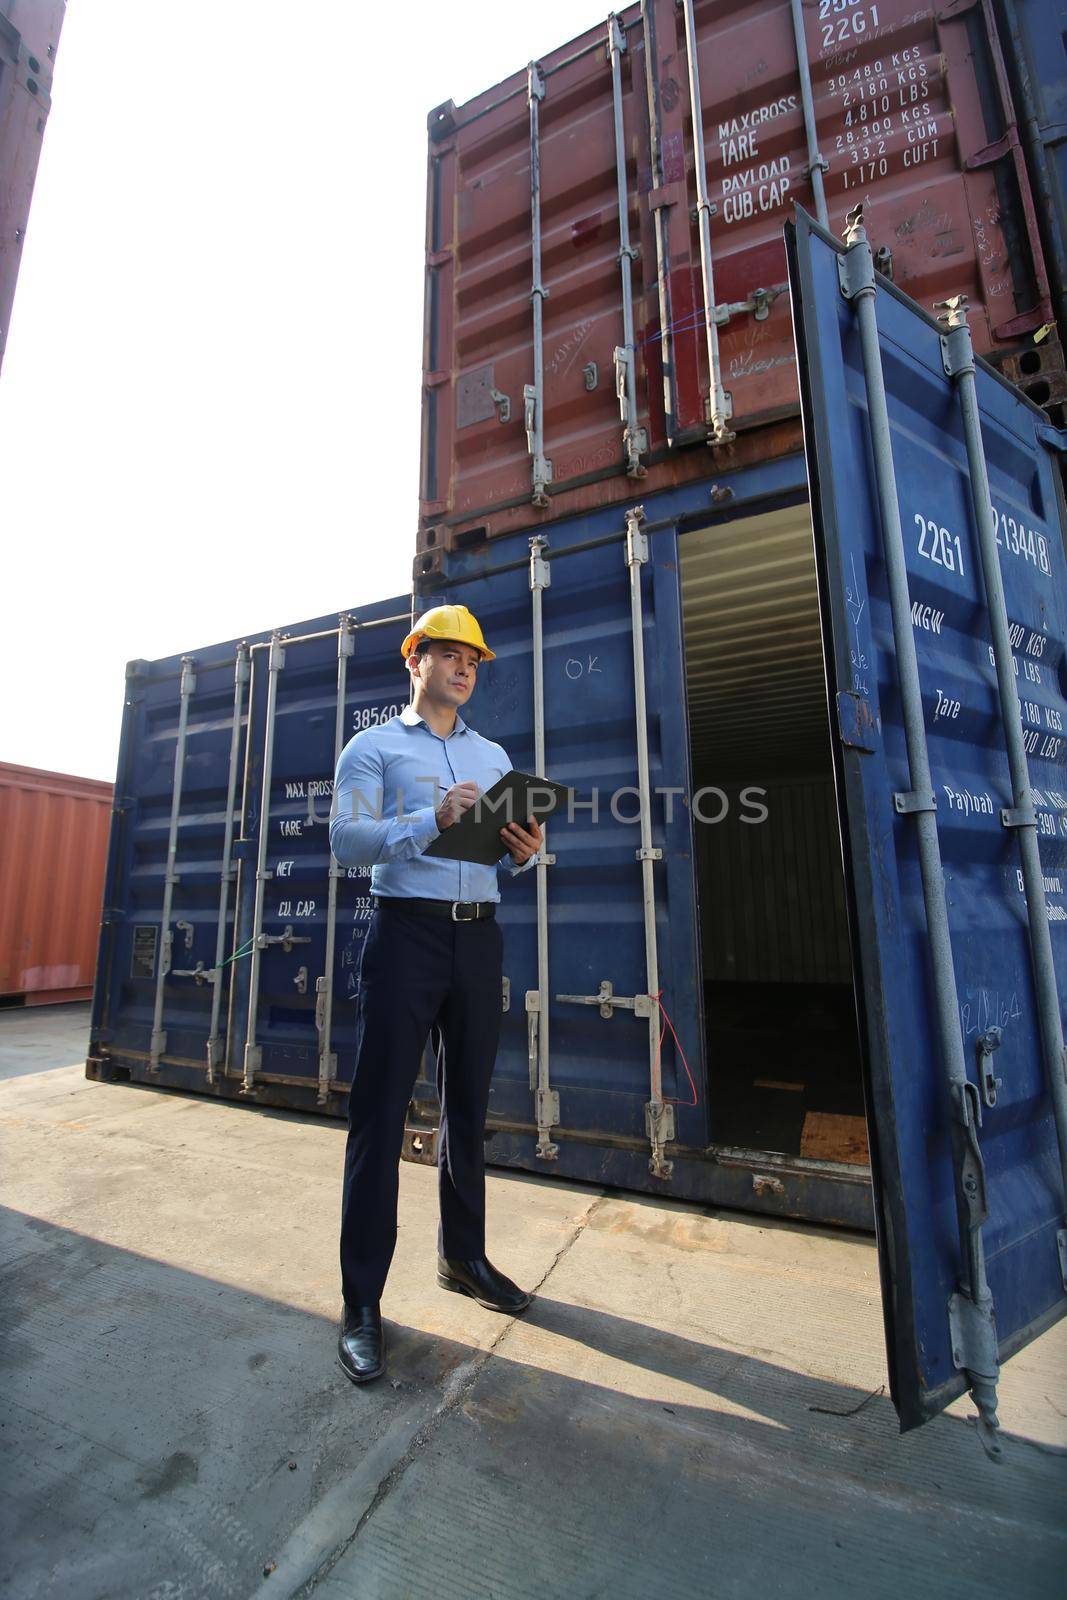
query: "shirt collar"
411, 717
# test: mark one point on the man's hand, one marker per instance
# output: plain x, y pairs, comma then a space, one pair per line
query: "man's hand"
523, 841
459, 799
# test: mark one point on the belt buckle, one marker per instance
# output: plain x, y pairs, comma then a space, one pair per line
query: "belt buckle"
474, 914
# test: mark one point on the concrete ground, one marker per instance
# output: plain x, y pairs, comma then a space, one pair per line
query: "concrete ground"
683, 1412
33, 1038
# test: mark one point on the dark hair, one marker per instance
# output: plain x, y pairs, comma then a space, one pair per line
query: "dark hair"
424, 644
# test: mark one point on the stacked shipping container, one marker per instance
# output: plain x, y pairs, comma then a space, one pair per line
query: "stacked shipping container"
530, 354
607, 322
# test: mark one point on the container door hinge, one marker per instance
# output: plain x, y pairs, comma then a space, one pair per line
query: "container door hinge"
711, 412
1054, 439
910, 800
992, 153
859, 724
1061, 1246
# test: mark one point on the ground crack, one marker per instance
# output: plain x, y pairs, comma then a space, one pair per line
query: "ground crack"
459, 1386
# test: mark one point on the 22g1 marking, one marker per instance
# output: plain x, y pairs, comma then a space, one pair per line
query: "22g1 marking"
939, 546
854, 22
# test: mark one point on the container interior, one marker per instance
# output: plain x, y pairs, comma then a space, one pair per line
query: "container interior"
782, 1048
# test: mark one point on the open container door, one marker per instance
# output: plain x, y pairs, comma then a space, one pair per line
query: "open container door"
938, 528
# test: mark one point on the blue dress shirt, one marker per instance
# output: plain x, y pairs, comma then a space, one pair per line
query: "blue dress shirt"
390, 780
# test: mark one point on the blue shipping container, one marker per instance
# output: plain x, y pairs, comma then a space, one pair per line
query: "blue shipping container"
723, 1004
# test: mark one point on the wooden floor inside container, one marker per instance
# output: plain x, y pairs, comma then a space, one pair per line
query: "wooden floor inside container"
784, 1069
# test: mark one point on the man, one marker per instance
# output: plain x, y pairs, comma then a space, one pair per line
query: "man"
432, 955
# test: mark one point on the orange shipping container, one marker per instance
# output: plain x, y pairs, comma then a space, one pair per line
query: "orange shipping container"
53, 847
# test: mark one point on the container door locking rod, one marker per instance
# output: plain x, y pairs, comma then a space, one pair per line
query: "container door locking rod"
158, 1043
537, 1010
324, 984
253, 1053
720, 406
634, 438
534, 393
970, 1310
214, 1043
661, 224
817, 164
958, 353
659, 1116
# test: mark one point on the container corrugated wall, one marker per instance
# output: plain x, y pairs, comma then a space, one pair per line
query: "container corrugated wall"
29, 35
53, 846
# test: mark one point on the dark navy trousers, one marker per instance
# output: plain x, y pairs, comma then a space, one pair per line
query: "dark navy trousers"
417, 971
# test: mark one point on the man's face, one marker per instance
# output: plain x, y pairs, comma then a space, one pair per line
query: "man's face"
447, 672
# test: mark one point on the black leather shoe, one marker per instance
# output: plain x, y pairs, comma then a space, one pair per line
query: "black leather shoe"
361, 1344
481, 1280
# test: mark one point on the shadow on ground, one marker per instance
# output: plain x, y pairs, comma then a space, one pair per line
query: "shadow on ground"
168, 1435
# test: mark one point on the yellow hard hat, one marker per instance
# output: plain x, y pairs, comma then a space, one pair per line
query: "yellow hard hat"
448, 622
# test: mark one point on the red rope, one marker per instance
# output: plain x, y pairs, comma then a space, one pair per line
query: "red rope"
659, 1001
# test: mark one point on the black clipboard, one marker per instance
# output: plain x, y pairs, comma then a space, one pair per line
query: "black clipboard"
515, 797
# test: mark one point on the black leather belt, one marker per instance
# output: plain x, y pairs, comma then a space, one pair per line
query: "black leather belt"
457, 910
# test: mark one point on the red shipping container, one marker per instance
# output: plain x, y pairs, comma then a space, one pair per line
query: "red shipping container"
912, 117
53, 850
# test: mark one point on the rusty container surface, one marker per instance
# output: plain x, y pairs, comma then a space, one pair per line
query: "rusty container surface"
53, 849
29, 37
913, 117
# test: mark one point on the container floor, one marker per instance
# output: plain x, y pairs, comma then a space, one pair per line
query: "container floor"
693, 1406
784, 1070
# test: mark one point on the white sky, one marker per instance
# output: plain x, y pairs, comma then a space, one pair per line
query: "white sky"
209, 405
